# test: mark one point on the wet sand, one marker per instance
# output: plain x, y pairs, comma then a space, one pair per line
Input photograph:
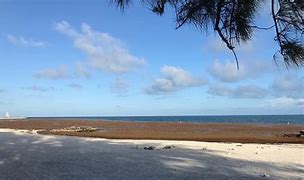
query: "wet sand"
237, 133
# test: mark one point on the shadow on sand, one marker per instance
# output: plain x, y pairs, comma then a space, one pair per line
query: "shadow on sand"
51, 157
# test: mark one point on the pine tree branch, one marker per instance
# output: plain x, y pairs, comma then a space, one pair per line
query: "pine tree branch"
263, 28
217, 28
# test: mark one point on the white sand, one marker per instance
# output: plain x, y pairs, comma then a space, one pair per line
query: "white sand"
26, 154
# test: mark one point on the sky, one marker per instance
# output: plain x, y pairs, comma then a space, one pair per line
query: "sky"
88, 58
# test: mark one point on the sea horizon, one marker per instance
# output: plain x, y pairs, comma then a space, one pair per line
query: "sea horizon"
246, 119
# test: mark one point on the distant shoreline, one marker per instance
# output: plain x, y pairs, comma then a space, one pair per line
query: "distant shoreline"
14, 118
238, 119
209, 132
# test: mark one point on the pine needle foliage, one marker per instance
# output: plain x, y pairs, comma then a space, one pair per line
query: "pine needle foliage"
234, 21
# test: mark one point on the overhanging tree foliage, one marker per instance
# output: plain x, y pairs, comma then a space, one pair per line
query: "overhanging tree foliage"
233, 21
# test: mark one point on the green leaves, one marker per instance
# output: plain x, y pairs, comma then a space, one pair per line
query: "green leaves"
289, 24
121, 3
293, 53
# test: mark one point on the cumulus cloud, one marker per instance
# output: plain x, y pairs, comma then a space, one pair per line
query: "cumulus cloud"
227, 72
21, 41
174, 78
38, 88
288, 86
103, 51
54, 74
60, 73
245, 91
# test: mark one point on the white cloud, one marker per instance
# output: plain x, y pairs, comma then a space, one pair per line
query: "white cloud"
103, 51
54, 74
179, 76
227, 72
174, 78
245, 91
288, 93
21, 41
300, 102
288, 86
38, 88
160, 85
286, 102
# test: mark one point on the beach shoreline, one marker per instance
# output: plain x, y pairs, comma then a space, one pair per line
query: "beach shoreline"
206, 132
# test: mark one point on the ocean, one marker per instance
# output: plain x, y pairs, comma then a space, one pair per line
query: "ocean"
252, 119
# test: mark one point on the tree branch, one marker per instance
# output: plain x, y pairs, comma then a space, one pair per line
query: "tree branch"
276, 25
263, 28
217, 28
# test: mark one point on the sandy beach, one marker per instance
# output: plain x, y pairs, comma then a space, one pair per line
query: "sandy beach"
27, 155
40, 149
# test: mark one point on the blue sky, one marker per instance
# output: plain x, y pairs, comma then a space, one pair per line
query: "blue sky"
72, 58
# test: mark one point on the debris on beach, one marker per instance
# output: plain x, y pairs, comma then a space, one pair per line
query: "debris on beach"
264, 175
145, 148
76, 129
168, 147
149, 148
153, 147
299, 135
